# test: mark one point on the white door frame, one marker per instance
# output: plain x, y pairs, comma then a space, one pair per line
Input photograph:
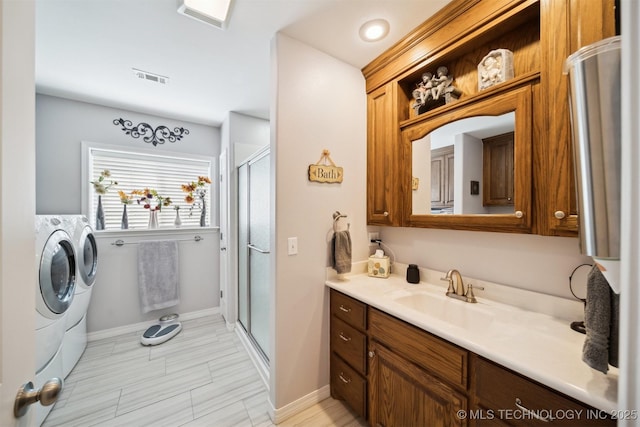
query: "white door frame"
17, 204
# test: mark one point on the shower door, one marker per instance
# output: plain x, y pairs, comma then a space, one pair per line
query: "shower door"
254, 249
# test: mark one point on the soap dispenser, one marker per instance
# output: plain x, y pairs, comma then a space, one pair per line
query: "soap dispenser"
413, 274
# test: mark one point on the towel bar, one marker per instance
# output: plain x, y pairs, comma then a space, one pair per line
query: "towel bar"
121, 242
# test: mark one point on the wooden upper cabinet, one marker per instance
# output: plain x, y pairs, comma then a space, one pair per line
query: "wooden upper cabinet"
566, 26
541, 34
382, 159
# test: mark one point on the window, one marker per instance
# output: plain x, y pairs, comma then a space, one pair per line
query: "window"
142, 169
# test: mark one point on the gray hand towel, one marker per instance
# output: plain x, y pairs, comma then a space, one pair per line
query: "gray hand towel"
341, 252
158, 274
601, 316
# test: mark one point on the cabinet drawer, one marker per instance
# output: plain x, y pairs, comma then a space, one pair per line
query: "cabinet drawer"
348, 309
349, 343
348, 385
428, 351
502, 391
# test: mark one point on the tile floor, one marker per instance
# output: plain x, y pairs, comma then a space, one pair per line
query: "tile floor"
202, 377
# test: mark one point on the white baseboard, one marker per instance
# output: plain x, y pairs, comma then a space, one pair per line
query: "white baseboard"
121, 330
295, 407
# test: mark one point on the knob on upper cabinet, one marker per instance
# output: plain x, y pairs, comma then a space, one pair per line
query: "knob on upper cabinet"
559, 214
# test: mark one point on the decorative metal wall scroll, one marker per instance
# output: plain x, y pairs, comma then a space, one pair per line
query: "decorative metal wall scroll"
156, 136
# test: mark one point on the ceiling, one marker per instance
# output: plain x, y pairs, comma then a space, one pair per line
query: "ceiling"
86, 49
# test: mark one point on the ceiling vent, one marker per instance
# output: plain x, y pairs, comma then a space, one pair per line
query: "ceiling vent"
212, 12
145, 75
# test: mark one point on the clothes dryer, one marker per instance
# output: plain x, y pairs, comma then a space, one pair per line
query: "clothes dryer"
56, 271
75, 337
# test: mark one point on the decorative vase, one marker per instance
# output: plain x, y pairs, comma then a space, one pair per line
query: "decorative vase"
99, 215
153, 218
124, 224
203, 214
178, 221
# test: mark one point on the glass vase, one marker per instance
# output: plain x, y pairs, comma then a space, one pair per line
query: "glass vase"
153, 218
203, 213
124, 224
99, 215
178, 221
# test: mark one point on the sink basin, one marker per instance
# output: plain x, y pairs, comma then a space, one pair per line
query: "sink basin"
472, 317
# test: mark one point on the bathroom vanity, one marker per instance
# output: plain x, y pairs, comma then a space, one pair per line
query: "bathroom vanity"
408, 355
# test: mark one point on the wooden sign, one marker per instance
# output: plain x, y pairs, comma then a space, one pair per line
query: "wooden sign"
323, 172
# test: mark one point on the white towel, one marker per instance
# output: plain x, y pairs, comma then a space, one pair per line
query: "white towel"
158, 274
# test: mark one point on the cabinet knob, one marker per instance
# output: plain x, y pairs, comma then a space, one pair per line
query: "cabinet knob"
372, 354
519, 214
385, 213
559, 214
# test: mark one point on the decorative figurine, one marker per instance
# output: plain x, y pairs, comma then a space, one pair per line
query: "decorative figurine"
496, 67
434, 91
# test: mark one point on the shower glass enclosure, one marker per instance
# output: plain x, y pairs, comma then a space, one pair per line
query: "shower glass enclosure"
254, 250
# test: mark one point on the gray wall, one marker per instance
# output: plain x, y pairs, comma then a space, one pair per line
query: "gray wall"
61, 126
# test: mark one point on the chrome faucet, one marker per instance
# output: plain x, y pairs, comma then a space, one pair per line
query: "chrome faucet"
458, 291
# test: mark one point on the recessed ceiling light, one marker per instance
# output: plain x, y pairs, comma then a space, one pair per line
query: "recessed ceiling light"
374, 30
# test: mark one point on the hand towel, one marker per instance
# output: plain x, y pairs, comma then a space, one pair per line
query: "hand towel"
158, 274
341, 251
601, 317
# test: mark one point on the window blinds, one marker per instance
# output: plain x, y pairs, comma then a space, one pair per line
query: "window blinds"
139, 171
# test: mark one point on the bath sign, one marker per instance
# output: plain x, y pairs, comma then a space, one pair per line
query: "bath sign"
325, 170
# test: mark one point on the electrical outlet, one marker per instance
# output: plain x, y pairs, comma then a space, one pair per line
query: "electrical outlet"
373, 236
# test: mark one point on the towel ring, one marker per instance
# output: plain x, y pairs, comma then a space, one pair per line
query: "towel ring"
336, 217
584, 300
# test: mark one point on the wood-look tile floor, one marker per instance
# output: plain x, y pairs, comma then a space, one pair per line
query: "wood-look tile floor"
201, 377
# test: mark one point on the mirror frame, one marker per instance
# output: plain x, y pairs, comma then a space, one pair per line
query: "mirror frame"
518, 100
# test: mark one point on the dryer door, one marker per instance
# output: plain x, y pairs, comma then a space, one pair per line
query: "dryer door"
58, 272
88, 256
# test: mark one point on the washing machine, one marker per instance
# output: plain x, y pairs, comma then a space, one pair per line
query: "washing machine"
75, 336
56, 269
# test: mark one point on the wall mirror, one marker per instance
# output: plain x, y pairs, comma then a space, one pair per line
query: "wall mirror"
471, 166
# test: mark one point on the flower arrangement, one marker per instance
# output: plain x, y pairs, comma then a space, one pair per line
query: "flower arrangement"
151, 199
196, 189
196, 192
127, 199
101, 186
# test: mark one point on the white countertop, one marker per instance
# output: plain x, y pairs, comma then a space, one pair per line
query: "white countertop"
537, 345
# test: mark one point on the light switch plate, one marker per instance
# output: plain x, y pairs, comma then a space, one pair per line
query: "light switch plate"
292, 245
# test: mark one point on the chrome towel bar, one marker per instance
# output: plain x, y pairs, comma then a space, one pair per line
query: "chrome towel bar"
121, 242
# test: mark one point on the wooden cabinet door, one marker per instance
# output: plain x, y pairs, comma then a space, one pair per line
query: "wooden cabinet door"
497, 171
401, 394
442, 177
383, 156
565, 27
